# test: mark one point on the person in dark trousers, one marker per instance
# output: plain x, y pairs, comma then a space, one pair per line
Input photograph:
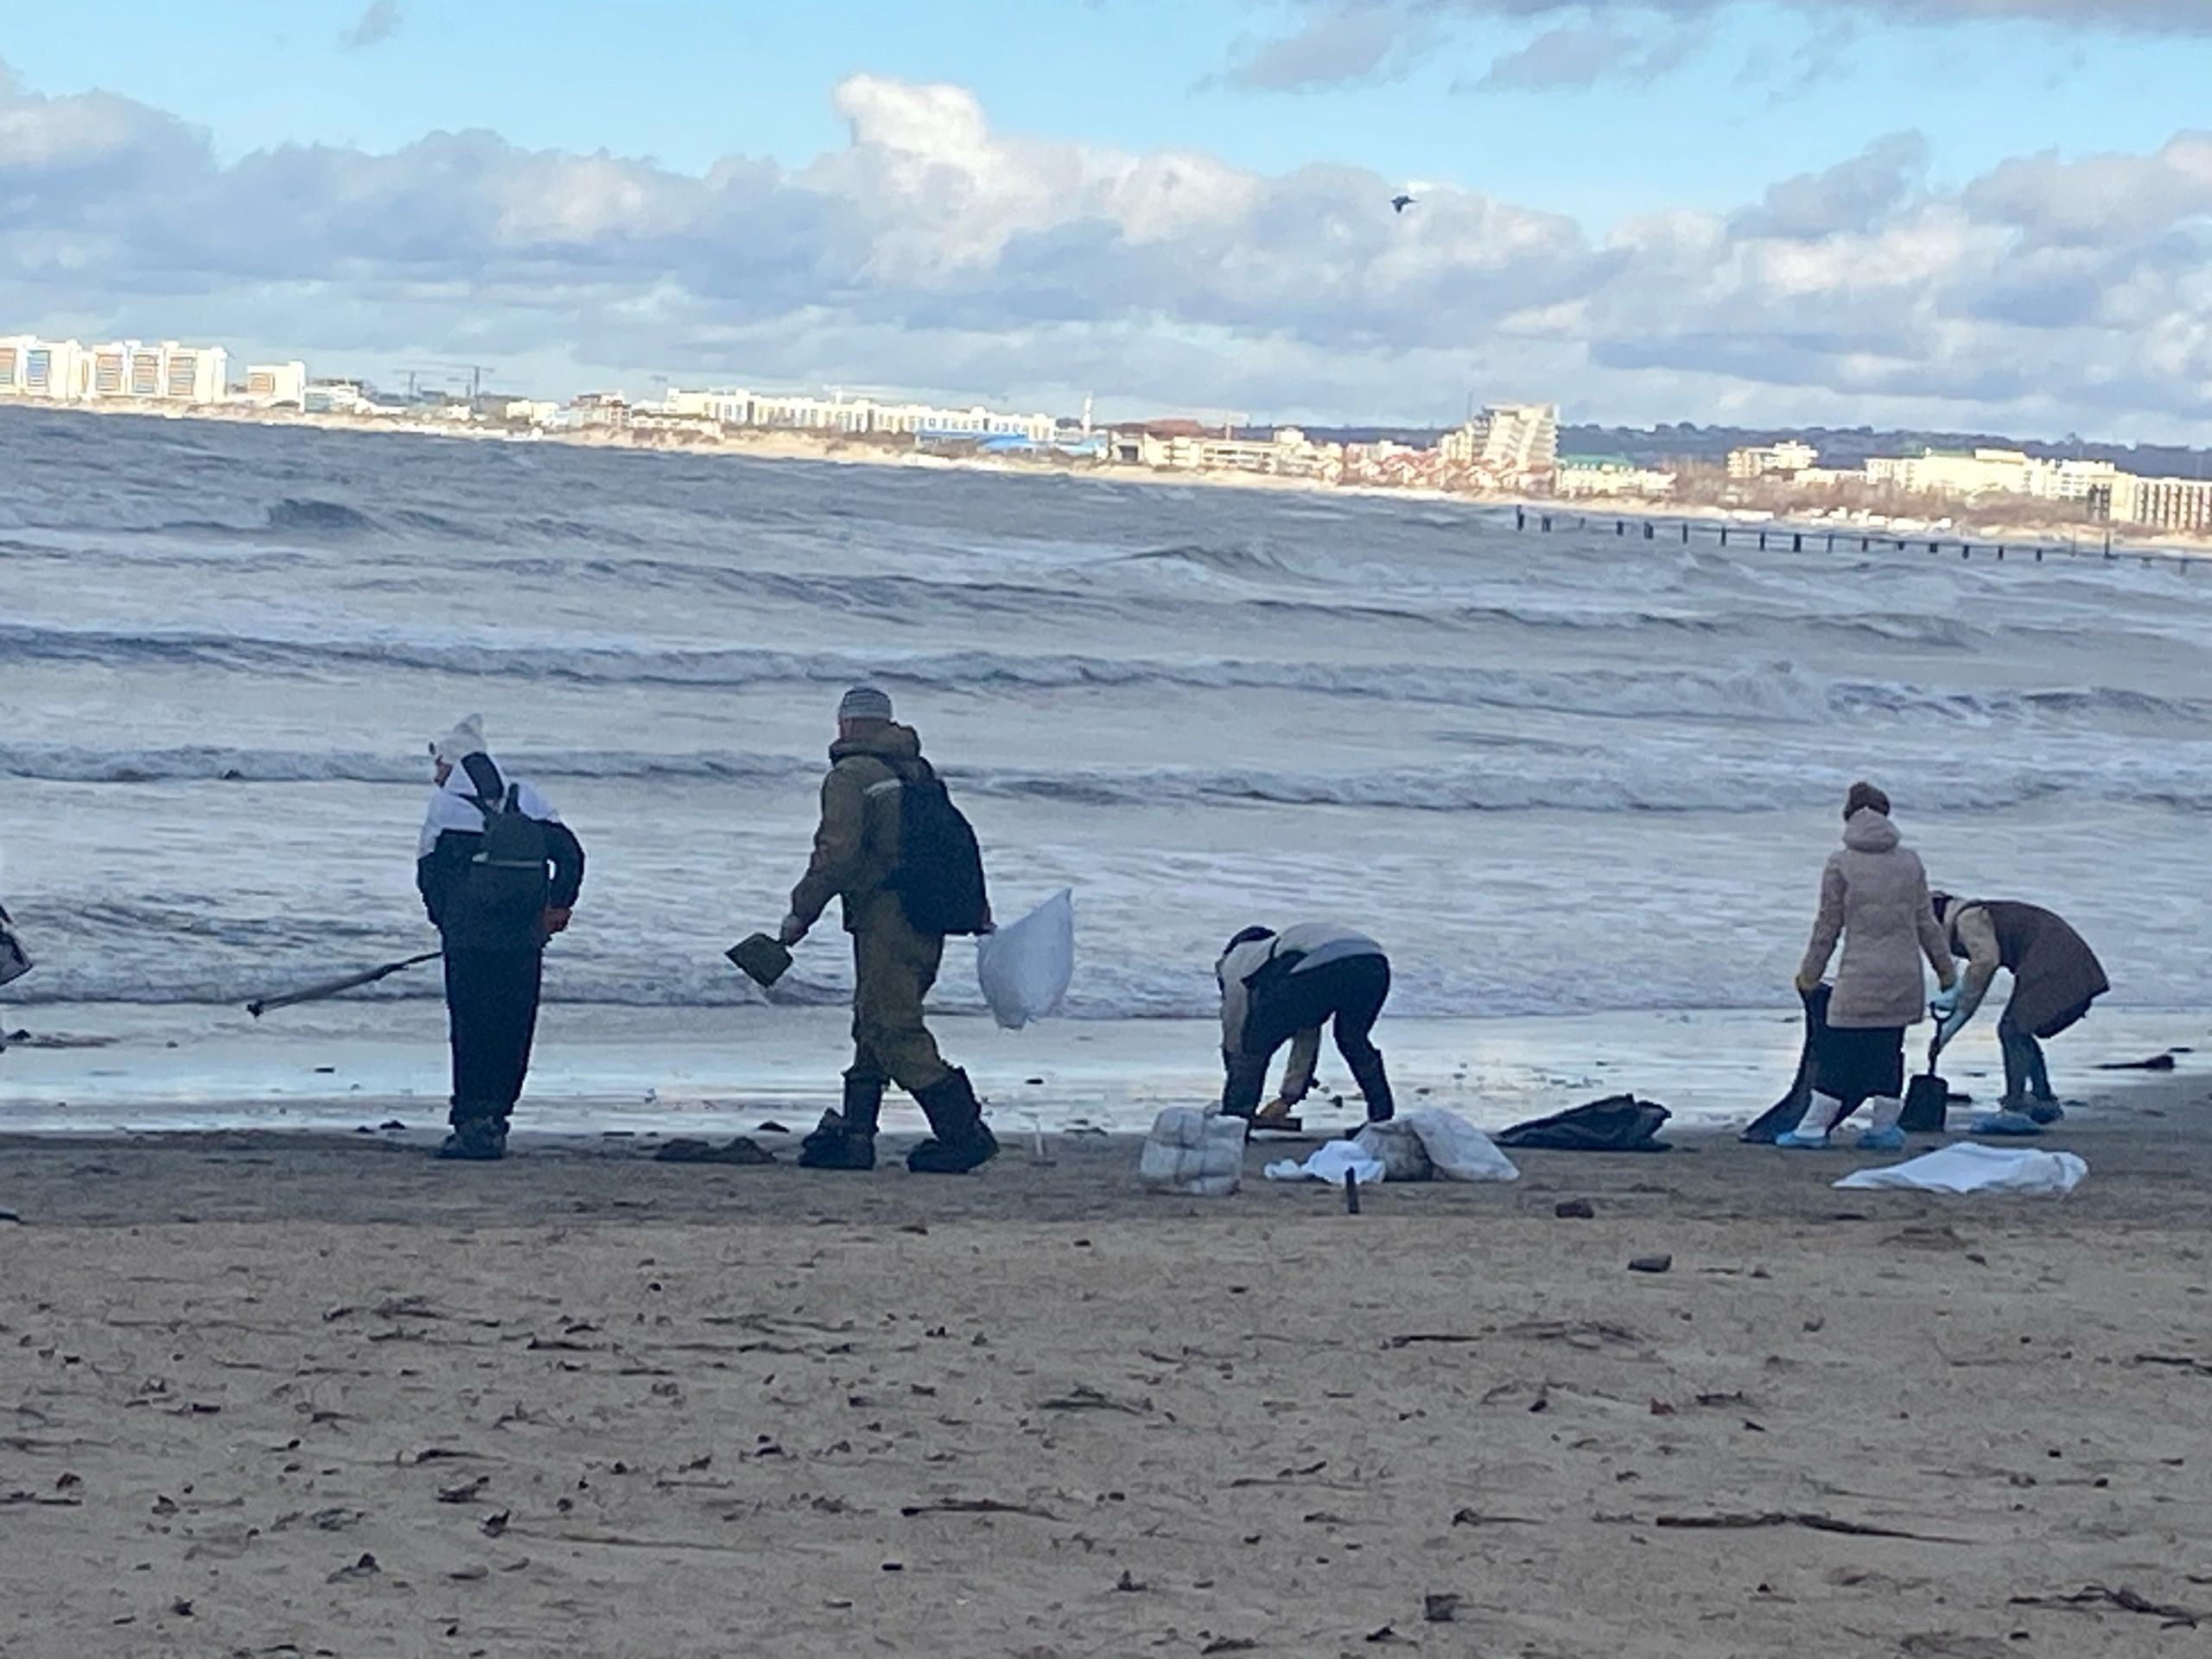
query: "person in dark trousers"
857, 861
499, 872
1283, 988
1874, 901
2056, 976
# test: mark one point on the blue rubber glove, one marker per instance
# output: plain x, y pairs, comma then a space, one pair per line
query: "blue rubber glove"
1944, 1004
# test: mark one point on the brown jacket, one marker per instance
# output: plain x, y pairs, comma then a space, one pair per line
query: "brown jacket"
856, 847
2055, 974
1874, 898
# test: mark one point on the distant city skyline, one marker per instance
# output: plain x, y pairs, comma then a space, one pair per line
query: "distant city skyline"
1977, 216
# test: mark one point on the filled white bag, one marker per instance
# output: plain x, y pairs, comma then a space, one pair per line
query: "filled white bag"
1460, 1151
1968, 1166
1330, 1163
1398, 1147
1198, 1153
1025, 968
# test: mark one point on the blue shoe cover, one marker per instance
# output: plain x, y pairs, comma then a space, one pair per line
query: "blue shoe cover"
1794, 1142
1890, 1140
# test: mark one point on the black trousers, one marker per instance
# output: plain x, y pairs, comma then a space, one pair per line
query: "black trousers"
1350, 993
492, 1012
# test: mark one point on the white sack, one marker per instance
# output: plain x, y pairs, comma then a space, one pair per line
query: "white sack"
1330, 1164
1460, 1151
1397, 1146
1198, 1153
1024, 969
1968, 1166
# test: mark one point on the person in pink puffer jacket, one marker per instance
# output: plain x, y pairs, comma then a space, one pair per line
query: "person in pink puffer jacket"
1874, 898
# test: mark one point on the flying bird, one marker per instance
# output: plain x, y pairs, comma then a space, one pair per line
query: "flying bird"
1399, 204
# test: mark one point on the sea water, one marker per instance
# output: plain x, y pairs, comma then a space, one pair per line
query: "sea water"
1564, 774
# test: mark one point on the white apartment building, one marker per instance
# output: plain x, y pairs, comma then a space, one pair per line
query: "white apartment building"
334, 398
1989, 471
163, 372
796, 411
31, 367
1587, 476
273, 384
2070, 481
1508, 442
2177, 505
1788, 458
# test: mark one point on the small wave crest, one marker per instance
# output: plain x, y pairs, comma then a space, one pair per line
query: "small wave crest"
1510, 776
1774, 692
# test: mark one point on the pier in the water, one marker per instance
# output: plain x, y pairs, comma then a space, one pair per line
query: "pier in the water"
1770, 538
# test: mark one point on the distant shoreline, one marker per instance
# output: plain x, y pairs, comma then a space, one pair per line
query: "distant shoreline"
1962, 524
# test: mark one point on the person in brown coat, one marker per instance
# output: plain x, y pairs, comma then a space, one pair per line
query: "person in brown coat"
1874, 898
857, 860
2056, 976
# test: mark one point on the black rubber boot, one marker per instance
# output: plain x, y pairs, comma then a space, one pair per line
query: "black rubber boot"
480, 1131
960, 1142
846, 1139
1375, 1088
476, 1140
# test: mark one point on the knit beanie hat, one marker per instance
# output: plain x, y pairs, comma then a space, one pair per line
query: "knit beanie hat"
865, 702
1865, 797
466, 739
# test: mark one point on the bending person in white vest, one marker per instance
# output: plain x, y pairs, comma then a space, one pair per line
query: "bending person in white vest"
1283, 988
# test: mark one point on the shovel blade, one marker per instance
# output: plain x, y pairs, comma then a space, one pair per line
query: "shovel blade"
1926, 1106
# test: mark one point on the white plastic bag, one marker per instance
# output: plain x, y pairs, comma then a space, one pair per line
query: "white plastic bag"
1460, 1151
1968, 1167
1024, 969
1330, 1163
1198, 1153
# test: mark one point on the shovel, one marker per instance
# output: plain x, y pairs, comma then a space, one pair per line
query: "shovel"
1927, 1099
263, 1005
763, 960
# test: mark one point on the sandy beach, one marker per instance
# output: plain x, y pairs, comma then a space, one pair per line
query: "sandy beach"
272, 1394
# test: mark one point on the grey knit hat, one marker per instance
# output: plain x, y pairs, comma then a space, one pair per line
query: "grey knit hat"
865, 702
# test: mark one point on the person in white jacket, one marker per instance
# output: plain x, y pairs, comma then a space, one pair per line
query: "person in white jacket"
1283, 988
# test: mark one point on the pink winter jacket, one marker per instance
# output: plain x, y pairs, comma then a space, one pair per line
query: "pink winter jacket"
1874, 897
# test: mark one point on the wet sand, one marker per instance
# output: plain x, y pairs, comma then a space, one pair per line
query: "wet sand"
270, 1395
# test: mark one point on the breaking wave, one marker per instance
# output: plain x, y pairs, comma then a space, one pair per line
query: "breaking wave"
1771, 691
1528, 776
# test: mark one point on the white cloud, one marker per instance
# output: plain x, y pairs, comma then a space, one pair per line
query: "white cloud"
1340, 44
377, 23
1589, 42
1581, 55
933, 250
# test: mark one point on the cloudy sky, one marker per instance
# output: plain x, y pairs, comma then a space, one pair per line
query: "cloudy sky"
1986, 213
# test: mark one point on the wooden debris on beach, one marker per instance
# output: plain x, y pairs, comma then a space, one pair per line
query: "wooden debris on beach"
742, 1150
975, 1506
1751, 1521
365, 1567
1084, 1397
2188, 1363
2096, 1598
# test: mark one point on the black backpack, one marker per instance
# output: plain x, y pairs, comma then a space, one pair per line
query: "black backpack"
940, 877
501, 902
